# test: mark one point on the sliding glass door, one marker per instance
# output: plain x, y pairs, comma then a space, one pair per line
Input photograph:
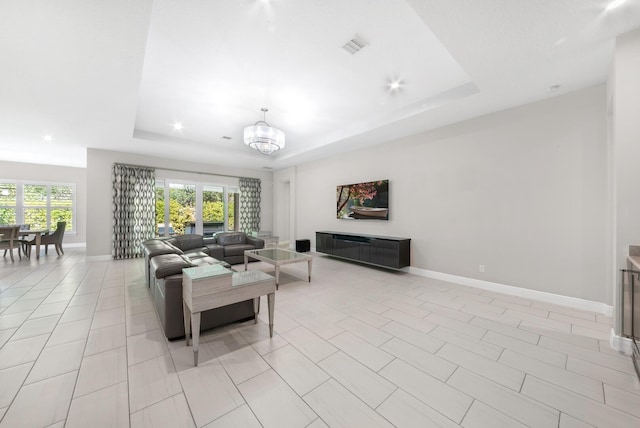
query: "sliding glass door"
194, 208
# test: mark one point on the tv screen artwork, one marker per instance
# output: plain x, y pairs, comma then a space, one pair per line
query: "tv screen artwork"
363, 201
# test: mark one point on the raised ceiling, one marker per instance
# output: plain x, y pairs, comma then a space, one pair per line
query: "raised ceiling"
118, 75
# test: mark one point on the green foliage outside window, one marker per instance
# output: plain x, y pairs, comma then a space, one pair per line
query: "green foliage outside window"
42, 206
182, 211
7, 216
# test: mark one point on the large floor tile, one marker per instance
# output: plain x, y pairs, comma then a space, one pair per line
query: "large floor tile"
296, 369
106, 339
30, 409
16, 352
109, 317
578, 406
275, 403
517, 406
145, 346
568, 380
369, 355
11, 380
107, 407
448, 400
365, 384
56, 360
311, 345
364, 331
13, 320
478, 346
480, 416
411, 335
139, 323
209, 391
243, 364
420, 359
498, 372
48, 310
152, 381
543, 354
172, 412
405, 411
69, 332
36, 327
101, 370
239, 417
340, 408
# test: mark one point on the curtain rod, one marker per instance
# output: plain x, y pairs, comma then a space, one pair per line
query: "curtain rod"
179, 170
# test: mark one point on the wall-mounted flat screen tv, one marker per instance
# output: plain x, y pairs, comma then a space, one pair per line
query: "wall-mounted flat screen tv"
363, 201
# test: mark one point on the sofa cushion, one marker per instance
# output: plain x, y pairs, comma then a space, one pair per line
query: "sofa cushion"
216, 251
231, 238
197, 254
154, 247
237, 249
187, 242
169, 264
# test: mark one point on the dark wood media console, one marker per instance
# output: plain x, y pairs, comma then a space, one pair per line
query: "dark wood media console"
386, 251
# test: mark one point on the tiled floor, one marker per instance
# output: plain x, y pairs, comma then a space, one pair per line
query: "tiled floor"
357, 347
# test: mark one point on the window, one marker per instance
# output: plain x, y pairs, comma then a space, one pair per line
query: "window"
40, 205
194, 207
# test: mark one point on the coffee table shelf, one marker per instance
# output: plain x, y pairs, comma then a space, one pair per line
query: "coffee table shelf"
278, 257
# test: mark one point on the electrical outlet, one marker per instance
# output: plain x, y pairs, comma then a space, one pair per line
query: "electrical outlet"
481, 268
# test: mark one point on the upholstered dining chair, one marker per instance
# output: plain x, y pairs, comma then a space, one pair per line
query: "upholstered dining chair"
54, 238
9, 240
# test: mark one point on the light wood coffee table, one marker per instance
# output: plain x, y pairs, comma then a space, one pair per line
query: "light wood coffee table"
278, 257
214, 286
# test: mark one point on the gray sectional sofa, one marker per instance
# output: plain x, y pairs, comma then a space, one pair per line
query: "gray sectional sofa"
166, 257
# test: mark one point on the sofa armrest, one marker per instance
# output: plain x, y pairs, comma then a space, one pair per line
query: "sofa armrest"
258, 243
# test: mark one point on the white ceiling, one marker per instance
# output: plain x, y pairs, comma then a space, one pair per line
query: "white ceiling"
118, 74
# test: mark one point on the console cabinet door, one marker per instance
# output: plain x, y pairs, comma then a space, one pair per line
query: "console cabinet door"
376, 252
347, 249
324, 243
391, 251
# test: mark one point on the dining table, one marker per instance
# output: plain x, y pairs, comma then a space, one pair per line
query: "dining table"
38, 234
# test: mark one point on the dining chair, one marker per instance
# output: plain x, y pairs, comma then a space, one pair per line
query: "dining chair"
22, 239
54, 238
9, 240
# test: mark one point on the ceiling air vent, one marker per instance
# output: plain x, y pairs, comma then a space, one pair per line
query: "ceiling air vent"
354, 45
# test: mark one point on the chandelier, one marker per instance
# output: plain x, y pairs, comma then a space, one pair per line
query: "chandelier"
263, 137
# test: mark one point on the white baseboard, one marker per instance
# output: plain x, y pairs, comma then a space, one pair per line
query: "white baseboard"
75, 245
556, 299
104, 258
621, 344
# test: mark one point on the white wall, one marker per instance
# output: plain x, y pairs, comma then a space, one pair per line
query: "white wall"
626, 147
52, 173
284, 185
522, 192
99, 164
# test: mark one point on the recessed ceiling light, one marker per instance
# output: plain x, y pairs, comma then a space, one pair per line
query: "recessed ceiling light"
177, 126
395, 85
614, 4
47, 138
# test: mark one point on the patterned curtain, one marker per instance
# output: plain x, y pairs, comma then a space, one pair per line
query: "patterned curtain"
249, 204
134, 209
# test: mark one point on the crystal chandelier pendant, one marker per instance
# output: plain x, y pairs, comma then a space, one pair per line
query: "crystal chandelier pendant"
263, 137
